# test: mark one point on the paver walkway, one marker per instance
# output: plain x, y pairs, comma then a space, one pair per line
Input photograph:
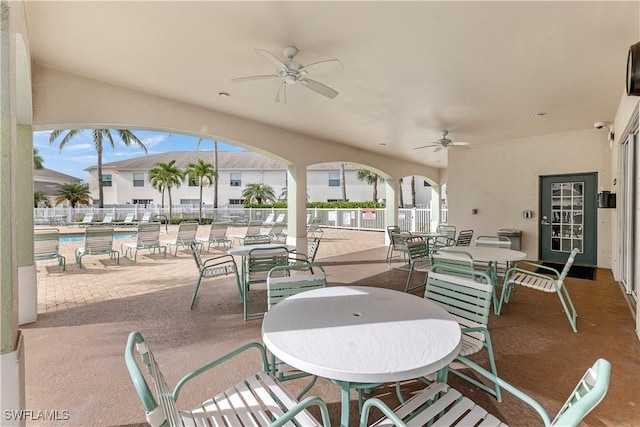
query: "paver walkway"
102, 279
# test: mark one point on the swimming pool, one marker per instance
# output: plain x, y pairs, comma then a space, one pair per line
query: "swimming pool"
80, 238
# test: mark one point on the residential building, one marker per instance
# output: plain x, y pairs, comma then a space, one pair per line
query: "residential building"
49, 182
127, 181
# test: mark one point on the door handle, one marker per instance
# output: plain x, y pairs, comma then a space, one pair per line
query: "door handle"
544, 221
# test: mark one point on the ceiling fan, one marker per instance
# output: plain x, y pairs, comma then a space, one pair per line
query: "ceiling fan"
292, 72
445, 142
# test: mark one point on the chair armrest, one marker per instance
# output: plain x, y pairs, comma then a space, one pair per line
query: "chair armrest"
533, 264
510, 271
220, 259
513, 390
219, 361
301, 406
374, 402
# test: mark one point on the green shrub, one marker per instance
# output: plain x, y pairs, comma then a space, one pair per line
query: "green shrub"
326, 205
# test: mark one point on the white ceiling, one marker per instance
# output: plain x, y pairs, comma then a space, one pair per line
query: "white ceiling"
411, 69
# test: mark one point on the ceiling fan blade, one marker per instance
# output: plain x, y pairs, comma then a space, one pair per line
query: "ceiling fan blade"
438, 148
281, 96
318, 87
457, 145
461, 143
427, 146
272, 58
249, 78
323, 66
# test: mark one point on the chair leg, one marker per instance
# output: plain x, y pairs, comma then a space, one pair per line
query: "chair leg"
571, 316
195, 291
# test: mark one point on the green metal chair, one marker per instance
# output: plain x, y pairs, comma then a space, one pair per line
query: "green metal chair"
277, 233
449, 239
464, 238
552, 282
314, 229
468, 299
258, 263
46, 245
419, 260
503, 242
186, 235
453, 257
147, 237
97, 241
282, 282
221, 265
309, 257
441, 405
256, 400
254, 228
398, 244
217, 235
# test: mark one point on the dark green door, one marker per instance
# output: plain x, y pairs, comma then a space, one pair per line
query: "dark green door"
568, 217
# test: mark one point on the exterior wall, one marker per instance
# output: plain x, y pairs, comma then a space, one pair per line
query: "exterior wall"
122, 191
502, 192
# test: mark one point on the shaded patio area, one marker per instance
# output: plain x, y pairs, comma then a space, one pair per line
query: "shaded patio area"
74, 353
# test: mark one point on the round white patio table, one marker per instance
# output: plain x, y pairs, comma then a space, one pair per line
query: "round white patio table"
487, 254
357, 335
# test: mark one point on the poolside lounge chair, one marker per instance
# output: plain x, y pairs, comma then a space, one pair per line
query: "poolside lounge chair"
440, 404
253, 229
256, 400
107, 220
146, 217
277, 233
148, 237
314, 229
97, 241
220, 265
128, 220
186, 235
86, 220
46, 245
217, 235
269, 219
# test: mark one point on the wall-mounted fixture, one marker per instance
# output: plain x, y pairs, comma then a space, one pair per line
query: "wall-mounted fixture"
527, 214
474, 211
633, 70
606, 200
600, 125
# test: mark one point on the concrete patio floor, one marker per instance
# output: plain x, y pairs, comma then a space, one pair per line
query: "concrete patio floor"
74, 352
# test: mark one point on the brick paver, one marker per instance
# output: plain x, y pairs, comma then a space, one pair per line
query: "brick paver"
102, 279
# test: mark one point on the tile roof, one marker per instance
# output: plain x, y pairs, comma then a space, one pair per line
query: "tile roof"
226, 160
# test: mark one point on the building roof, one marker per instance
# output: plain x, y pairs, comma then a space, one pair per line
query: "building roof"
50, 175
227, 160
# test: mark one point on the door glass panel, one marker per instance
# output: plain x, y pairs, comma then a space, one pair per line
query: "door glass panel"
567, 213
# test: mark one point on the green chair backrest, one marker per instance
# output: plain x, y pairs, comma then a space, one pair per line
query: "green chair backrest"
587, 395
567, 266
98, 240
218, 230
187, 232
468, 299
253, 228
459, 260
418, 249
262, 260
281, 286
148, 235
46, 243
494, 241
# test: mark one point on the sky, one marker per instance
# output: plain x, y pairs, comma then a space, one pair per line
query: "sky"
80, 153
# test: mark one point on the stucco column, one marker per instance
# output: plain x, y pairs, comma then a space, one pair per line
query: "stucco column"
27, 280
391, 211
11, 354
297, 207
435, 207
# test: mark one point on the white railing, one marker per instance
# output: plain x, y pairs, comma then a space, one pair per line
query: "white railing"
353, 218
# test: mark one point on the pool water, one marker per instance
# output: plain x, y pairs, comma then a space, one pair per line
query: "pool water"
80, 238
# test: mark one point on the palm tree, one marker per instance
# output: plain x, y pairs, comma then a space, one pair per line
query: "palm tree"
257, 193
204, 173
370, 178
164, 176
74, 192
215, 168
40, 200
99, 136
38, 161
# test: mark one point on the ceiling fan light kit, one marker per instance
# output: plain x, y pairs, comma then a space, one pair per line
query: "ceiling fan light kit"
292, 72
